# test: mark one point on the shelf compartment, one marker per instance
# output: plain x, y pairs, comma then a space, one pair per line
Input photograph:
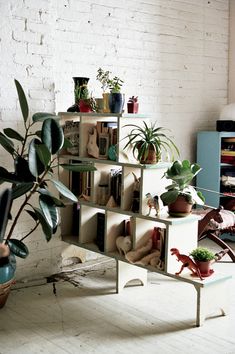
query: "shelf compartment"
115, 227
70, 222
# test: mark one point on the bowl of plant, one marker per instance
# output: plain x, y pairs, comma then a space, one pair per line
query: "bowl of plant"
203, 257
148, 143
180, 195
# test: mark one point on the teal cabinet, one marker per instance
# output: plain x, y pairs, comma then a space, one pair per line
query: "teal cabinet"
216, 156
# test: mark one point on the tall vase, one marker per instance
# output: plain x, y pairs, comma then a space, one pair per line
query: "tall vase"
116, 102
78, 82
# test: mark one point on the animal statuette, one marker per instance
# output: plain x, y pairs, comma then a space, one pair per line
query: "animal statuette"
187, 263
153, 203
123, 244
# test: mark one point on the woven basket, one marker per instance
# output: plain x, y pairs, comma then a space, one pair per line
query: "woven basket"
4, 292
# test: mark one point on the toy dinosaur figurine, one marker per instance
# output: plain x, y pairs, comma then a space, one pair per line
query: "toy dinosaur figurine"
153, 203
187, 262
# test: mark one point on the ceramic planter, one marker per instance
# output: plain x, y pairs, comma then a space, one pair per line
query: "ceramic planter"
181, 207
85, 106
116, 102
132, 107
205, 268
7, 272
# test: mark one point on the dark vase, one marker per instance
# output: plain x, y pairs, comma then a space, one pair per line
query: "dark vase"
116, 102
78, 81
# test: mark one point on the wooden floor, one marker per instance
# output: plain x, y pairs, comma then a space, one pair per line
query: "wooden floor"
81, 313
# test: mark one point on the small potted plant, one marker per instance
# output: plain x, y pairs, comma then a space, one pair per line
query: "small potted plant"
116, 98
203, 257
78, 82
103, 77
85, 101
148, 142
132, 105
180, 195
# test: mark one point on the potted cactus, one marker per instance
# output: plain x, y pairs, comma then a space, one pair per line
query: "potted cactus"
35, 160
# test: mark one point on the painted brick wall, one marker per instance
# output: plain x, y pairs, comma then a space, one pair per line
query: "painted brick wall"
173, 54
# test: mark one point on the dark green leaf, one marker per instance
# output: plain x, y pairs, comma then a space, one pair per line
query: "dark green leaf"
57, 202
35, 165
22, 170
169, 197
5, 205
52, 135
38, 133
20, 189
32, 214
7, 144
13, 134
18, 248
47, 230
23, 102
49, 210
78, 167
43, 154
64, 190
7, 176
41, 116
67, 144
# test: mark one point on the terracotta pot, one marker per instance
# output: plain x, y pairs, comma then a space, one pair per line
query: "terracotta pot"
181, 207
205, 268
151, 158
4, 292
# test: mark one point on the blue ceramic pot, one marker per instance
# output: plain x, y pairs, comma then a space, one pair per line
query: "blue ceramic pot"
7, 268
116, 102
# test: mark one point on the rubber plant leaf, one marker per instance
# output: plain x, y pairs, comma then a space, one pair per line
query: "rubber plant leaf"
18, 248
20, 189
64, 191
22, 170
55, 200
32, 214
36, 167
78, 167
43, 154
49, 210
52, 135
23, 101
41, 116
7, 144
13, 134
47, 230
5, 205
6, 176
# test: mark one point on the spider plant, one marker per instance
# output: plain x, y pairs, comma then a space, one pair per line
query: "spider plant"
148, 143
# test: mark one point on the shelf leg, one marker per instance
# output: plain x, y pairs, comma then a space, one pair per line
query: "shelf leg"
211, 298
127, 272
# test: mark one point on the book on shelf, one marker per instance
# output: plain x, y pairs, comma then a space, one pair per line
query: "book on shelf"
80, 182
100, 231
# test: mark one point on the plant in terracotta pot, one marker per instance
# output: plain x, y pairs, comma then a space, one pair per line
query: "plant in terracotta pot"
133, 105
116, 98
203, 257
148, 142
180, 195
34, 154
85, 101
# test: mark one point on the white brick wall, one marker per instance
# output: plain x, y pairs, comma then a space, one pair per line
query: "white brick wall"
173, 54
